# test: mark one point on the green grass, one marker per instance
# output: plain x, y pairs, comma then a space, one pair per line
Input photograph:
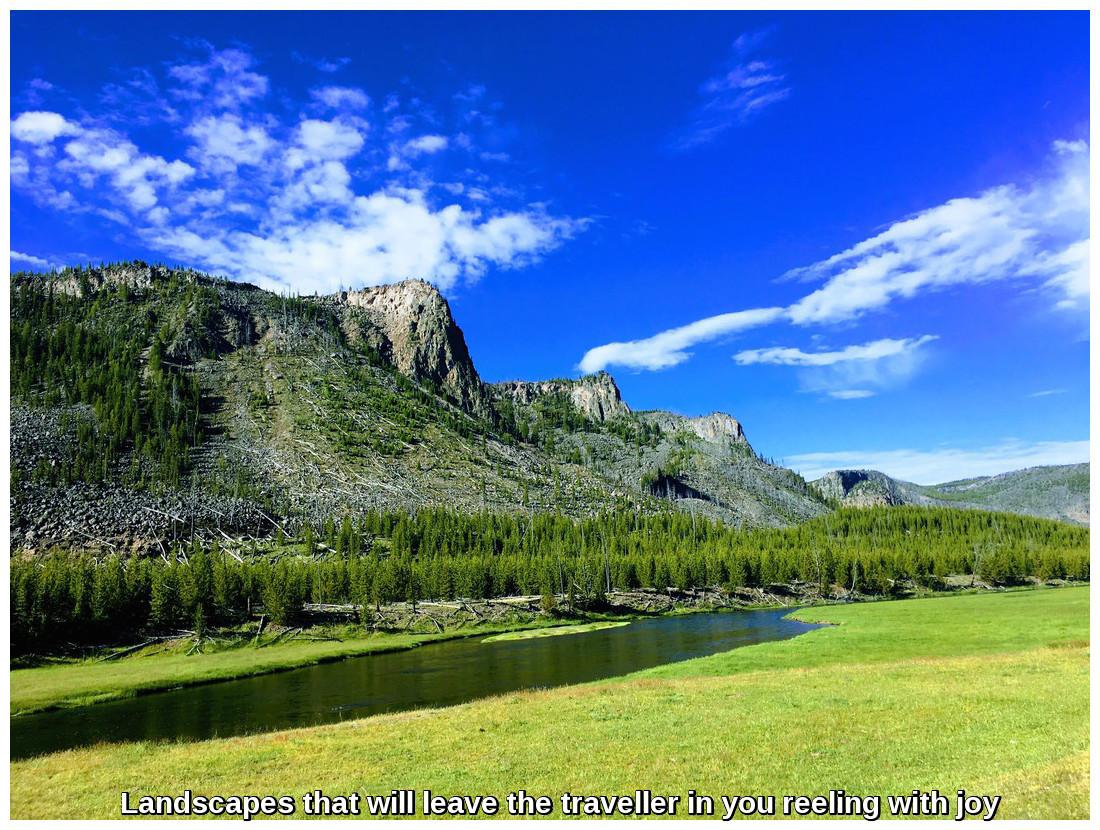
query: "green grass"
66, 685
556, 631
988, 693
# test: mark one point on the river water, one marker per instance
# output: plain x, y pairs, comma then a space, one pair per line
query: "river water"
439, 674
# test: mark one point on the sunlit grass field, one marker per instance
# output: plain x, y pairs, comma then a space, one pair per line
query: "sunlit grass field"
987, 693
556, 631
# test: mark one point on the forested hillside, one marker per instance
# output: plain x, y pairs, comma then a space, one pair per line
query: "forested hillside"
151, 404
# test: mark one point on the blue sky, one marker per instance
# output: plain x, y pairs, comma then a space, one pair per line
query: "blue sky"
863, 235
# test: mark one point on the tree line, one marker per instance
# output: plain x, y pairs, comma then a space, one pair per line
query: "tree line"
59, 599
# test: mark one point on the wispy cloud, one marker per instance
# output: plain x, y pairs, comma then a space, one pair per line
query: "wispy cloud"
224, 142
305, 202
851, 373
1035, 235
224, 79
31, 260
401, 154
1046, 393
670, 347
1039, 232
341, 97
744, 87
946, 464
328, 65
876, 350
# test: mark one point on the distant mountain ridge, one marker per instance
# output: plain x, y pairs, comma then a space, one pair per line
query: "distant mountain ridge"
1052, 492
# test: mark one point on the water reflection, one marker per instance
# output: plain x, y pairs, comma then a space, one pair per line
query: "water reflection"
433, 675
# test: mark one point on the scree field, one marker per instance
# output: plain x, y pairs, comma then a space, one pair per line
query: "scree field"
987, 693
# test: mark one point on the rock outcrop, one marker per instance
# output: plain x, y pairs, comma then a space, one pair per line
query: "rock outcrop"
717, 427
596, 396
410, 325
860, 488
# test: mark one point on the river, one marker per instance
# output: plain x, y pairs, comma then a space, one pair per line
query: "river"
439, 674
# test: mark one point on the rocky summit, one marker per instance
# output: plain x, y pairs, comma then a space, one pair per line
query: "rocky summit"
410, 325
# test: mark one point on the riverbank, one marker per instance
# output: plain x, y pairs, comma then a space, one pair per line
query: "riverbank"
170, 665
555, 631
251, 650
985, 692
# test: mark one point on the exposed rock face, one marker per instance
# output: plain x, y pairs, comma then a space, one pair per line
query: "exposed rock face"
596, 396
860, 488
716, 427
410, 324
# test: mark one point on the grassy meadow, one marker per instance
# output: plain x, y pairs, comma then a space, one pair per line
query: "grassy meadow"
988, 693
555, 631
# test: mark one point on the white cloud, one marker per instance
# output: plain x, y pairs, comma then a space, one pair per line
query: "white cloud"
326, 183
1046, 393
341, 97
384, 238
850, 373
135, 176
41, 127
946, 464
743, 88
225, 80
304, 204
1005, 233
30, 259
425, 145
1065, 273
315, 162
670, 347
225, 142
1036, 235
328, 65
328, 139
1068, 147
876, 350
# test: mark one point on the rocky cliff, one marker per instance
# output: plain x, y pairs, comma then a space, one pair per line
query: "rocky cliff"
410, 325
595, 396
862, 488
716, 427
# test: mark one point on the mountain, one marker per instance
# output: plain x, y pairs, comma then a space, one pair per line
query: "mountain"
1056, 492
150, 403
